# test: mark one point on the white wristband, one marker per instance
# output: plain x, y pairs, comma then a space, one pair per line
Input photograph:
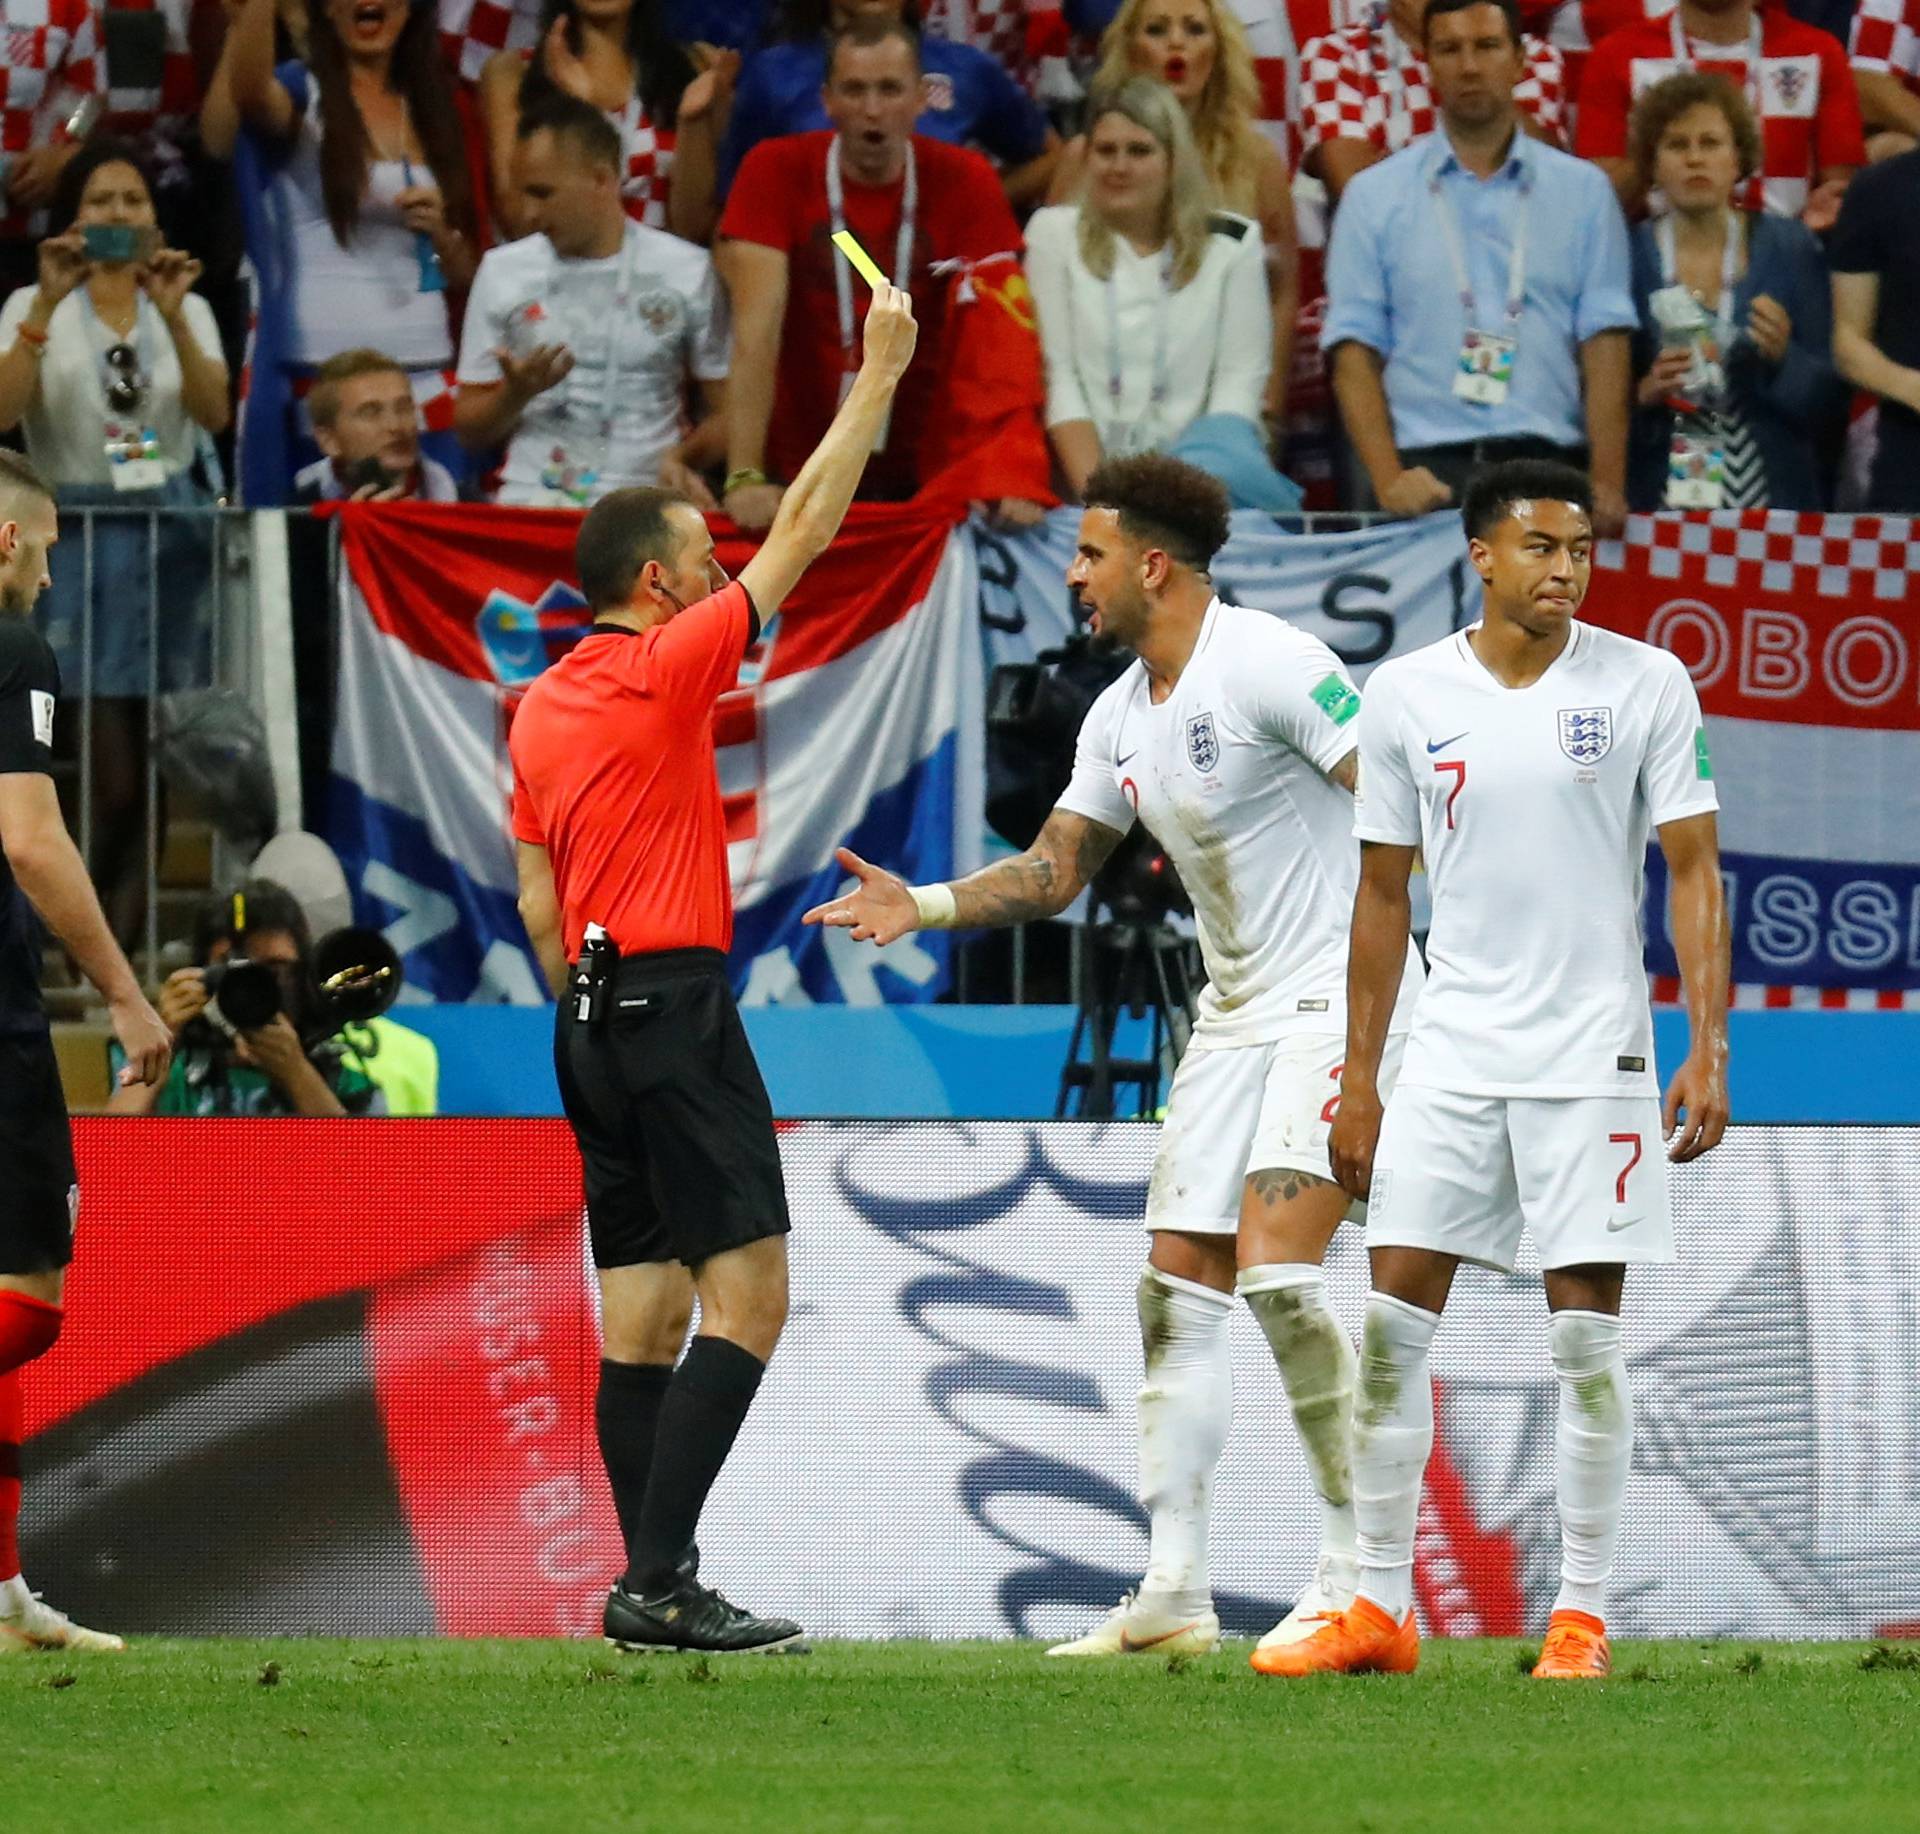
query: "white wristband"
936, 905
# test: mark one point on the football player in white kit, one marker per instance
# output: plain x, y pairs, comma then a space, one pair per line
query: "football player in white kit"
1232, 737
1528, 757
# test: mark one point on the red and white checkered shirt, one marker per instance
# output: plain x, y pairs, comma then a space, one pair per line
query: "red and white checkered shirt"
1576, 26
1803, 94
1365, 84
1886, 36
472, 30
166, 110
49, 60
648, 182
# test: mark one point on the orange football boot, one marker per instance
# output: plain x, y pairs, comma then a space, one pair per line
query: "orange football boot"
1362, 1640
1576, 1649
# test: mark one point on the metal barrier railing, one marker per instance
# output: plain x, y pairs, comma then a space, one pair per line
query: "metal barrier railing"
165, 602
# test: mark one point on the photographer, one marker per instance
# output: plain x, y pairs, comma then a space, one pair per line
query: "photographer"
367, 424
269, 1068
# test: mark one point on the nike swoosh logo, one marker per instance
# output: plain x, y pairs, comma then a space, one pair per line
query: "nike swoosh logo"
1615, 1228
1133, 1646
1444, 743
1118, 763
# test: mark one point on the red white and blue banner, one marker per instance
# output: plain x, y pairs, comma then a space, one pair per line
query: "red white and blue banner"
844, 729
858, 721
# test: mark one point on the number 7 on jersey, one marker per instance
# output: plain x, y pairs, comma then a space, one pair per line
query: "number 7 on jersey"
1456, 768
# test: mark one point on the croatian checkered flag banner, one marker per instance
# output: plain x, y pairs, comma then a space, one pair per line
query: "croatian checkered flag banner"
1799, 633
843, 730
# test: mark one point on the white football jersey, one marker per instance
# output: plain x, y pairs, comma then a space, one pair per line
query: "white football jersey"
1533, 806
1229, 775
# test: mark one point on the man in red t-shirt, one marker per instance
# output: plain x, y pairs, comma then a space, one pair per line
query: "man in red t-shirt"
1799, 87
796, 299
622, 860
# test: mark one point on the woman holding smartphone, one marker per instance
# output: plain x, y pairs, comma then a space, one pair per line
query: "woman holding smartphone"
112, 371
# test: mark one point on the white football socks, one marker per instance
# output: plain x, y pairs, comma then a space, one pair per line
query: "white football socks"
1392, 1437
1186, 1408
1317, 1366
1593, 1447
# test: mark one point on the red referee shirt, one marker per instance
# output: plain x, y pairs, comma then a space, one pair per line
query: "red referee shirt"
613, 774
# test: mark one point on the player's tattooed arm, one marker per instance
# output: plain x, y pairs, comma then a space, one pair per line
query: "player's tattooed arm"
1346, 773
1041, 882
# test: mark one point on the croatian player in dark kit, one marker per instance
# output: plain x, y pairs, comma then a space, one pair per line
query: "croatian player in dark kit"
40, 867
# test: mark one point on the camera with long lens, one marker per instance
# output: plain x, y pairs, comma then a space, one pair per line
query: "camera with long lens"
1034, 713
351, 976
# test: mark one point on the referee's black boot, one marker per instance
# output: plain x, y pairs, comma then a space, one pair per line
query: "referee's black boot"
695, 1617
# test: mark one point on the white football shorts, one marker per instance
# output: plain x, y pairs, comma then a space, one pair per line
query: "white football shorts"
1248, 1108
1464, 1174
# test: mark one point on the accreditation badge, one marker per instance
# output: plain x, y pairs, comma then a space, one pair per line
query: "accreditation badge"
1485, 371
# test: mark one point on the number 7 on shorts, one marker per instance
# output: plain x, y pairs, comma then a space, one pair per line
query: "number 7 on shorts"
1626, 1171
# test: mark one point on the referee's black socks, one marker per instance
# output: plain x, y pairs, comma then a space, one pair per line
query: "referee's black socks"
626, 1416
699, 1420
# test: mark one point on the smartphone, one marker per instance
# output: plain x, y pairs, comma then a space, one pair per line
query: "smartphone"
120, 241
363, 472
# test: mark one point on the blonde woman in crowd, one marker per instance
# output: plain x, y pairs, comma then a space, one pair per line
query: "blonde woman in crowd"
1199, 49
1153, 307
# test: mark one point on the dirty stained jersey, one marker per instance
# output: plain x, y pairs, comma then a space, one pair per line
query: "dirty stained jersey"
1229, 775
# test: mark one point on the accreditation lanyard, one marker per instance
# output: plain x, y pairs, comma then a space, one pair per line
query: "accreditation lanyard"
843, 268
1729, 260
608, 382
1157, 384
1443, 208
1683, 55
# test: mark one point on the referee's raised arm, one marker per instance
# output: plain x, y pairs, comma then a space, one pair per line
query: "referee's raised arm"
816, 501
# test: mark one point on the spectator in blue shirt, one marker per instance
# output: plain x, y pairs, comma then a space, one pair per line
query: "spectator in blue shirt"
966, 98
1478, 297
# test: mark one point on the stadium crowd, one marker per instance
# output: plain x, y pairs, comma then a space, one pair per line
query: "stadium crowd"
591, 239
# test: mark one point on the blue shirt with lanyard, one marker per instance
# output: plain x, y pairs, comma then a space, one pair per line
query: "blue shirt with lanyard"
843, 275
1533, 259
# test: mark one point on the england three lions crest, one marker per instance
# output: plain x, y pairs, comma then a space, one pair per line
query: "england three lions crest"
1203, 748
1586, 733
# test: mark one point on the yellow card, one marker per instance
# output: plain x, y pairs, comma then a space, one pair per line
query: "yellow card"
863, 263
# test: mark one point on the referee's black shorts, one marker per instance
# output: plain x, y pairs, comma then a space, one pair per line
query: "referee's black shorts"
674, 1125
39, 1187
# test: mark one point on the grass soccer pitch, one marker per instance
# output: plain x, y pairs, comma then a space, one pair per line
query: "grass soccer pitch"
425, 1736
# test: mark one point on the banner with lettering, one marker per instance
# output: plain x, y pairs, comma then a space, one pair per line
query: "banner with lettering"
390, 1431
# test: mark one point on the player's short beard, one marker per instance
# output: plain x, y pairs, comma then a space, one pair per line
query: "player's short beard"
16, 597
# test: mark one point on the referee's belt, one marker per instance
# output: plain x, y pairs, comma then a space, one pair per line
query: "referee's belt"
665, 965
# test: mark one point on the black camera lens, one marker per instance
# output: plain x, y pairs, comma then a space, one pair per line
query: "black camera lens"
242, 995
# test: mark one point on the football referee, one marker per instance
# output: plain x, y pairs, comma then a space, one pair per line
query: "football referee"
622, 858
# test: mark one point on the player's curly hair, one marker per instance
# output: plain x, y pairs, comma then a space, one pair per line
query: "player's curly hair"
1493, 490
1166, 503
1670, 98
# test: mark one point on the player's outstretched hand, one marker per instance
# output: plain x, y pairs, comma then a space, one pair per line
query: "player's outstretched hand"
144, 1036
1356, 1132
890, 333
1700, 1088
879, 909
